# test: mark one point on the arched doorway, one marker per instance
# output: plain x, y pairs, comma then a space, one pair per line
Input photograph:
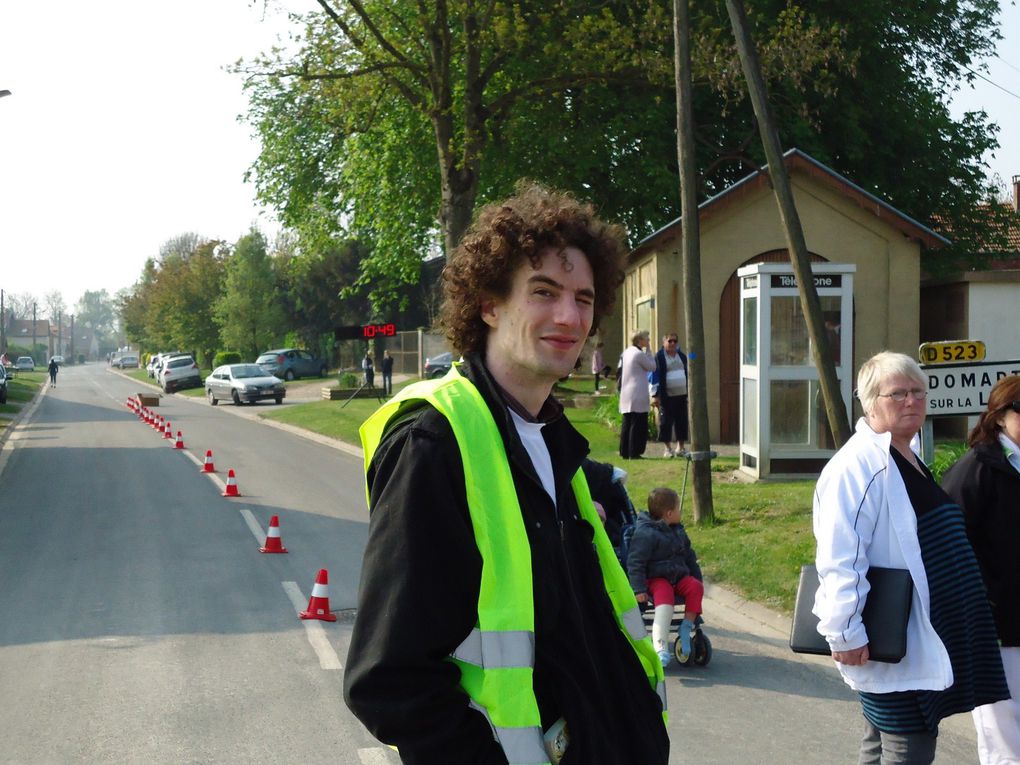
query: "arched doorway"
729, 345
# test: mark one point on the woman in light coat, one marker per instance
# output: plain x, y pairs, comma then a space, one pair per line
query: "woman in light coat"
635, 403
877, 504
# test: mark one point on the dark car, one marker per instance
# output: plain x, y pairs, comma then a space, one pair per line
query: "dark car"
292, 363
243, 382
3, 385
437, 366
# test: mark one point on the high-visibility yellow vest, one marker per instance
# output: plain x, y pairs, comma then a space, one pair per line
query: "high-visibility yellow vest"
497, 659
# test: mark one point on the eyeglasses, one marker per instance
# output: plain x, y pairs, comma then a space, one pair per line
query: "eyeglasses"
1014, 405
899, 395
671, 340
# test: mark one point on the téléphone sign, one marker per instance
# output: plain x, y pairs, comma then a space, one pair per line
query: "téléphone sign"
964, 388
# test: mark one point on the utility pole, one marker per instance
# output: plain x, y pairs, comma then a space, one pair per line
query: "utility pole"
3, 324
839, 423
73, 357
697, 388
32, 352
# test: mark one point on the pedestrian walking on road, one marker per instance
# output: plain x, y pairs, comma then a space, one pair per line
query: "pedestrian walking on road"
53, 368
986, 484
531, 649
387, 373
876, 504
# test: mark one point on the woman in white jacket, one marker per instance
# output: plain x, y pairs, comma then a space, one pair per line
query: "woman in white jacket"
877, 504
635, 402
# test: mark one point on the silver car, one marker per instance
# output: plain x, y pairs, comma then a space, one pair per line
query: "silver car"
243, 382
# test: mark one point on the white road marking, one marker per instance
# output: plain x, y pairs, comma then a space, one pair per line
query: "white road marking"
376, 756
313, 629
256, 529
193, 458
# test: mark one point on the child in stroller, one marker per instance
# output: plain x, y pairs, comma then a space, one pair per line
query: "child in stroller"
660, 561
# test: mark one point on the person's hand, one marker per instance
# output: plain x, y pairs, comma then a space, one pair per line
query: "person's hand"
600, 510
856, 657
641, 596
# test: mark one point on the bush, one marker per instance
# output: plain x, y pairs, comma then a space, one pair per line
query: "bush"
226, 357
348, 380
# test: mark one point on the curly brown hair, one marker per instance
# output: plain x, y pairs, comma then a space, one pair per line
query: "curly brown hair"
1004, 393
506, 233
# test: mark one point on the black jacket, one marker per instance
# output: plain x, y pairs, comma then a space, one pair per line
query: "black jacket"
419, 595
987, 487
658, 550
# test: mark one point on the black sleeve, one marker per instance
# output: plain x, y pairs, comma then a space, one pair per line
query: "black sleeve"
637, 561
417, 601
965, 482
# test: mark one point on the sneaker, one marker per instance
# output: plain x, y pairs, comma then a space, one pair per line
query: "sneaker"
665, 658
667, 454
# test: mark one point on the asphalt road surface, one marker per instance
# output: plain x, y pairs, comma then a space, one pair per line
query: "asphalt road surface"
139, 622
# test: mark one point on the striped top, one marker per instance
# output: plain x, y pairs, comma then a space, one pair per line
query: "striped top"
954, 581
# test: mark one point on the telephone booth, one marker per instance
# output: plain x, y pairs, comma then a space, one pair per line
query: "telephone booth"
783, 426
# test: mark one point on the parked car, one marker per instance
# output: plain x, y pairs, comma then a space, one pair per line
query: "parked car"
179, 372
25, 364
127, 361
3, 384
155, 365
437, 366
243, 382
291, 363
58, 359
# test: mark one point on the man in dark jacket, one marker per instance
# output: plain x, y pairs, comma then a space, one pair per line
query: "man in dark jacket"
526, 288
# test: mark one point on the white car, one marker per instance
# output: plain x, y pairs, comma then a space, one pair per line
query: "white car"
179, 372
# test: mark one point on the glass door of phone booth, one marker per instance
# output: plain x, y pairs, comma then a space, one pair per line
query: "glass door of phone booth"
783, 425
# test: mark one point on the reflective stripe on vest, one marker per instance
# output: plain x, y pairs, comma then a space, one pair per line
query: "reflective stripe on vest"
496, 659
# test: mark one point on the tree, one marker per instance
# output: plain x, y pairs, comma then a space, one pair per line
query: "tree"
310, 284
886, 123
54, 305
249, 312
19, 305
391, 121
96, 311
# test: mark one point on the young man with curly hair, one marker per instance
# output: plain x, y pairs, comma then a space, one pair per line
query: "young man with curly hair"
494, 624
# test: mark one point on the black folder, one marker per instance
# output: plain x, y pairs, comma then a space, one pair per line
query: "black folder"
886, 613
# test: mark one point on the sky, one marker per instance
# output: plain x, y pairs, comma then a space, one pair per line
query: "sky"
121, 132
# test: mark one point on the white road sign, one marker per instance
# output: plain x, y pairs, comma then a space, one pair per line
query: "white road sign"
964, 388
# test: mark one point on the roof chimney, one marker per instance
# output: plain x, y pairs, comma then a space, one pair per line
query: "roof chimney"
1016, 193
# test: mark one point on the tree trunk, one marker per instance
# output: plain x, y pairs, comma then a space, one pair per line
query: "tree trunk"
839, 423
697, 389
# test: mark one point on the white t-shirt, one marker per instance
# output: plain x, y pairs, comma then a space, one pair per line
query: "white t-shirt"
531, 437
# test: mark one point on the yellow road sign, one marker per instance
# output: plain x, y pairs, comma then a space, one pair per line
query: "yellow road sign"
951, 352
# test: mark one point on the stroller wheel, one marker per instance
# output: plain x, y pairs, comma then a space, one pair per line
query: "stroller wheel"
701, 649
684, 659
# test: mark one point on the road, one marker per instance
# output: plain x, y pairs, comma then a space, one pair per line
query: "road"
141, 624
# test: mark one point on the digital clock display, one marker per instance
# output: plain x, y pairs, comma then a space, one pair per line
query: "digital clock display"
365, 331
369, 331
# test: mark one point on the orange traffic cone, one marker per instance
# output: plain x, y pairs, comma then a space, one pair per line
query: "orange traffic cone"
208, 466
130, 403
318, 604
179, 443
157, 422
168, 432
231, 490
274, 544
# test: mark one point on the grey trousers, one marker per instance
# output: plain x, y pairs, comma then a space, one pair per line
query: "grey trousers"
878, 748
